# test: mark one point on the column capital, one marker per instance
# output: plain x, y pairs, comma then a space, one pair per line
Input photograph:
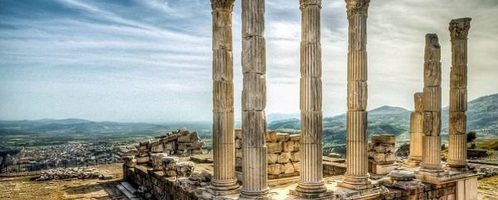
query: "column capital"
459, 28
357, 7
304, 3
222, 4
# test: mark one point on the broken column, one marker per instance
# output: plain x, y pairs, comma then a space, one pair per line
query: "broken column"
310, 183
254, 175
381, 155
416, 131
224, 180
457, 149
356, 176
431, 151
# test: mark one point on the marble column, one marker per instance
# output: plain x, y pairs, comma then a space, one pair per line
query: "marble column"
416, 131
311, 183
356, 176
254, 183
457, 149
224, 180
431, 151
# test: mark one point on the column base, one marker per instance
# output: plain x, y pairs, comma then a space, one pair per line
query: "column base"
356, 183
311, 191
224, 188
412, 163
259, 195
458, 168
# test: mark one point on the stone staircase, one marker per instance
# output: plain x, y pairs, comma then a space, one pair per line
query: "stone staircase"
128, 190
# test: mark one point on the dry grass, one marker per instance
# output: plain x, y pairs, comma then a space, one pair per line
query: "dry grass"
22, 188
488, 188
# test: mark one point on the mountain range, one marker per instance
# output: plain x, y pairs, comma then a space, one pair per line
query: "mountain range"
482, 116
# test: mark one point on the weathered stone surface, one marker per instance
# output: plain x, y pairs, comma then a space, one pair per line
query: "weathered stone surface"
157, 161
184, 168
295, 157
274, 147
271, 136
272, 158
284, 158
457, 151
282, 137
383, 139
287, 168
274, 169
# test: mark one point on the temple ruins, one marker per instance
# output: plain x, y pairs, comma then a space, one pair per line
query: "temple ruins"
256, 163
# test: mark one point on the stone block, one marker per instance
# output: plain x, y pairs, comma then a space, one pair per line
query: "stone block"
295, 156
238, 133
274, 169
418, 101
287, 168
157, 161
274, 147
238, 143
282, 137
284, 158
170, 146
383, 139
184, 168
432, 123
458, 123
142, 159
271, 136
272, 158
187, 138
295, 137
289, 146
238, 153
297, 166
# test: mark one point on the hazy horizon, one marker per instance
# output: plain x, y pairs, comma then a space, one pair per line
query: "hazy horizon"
150, 60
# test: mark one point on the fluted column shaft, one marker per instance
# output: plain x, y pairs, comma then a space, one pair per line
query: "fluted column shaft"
224, 179
254, 183
356, 139
457, 148
431, 159
416, 131
311, 99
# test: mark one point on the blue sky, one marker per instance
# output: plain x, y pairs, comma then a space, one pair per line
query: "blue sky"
150, 60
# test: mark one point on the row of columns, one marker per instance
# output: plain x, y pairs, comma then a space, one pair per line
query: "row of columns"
425, 121
254, 99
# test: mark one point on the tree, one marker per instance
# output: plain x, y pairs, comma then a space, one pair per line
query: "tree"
471, 136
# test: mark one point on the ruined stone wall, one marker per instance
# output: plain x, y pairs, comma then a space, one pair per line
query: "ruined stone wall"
178, 143
155, 184
283, 153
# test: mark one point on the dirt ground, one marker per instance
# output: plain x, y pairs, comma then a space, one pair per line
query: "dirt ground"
22, 188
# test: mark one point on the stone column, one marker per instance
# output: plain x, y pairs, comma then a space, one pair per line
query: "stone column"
356, 176
311, 184
254, 163
457, 149
431, 152
224, 180
416, 131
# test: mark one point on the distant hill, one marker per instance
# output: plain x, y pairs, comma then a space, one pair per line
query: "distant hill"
482, 116
86, 127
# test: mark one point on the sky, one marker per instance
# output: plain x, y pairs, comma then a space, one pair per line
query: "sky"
150, 60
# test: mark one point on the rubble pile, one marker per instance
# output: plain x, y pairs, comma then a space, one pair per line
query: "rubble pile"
283, 154
70, 173
179, 143
381, 155
172, 167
